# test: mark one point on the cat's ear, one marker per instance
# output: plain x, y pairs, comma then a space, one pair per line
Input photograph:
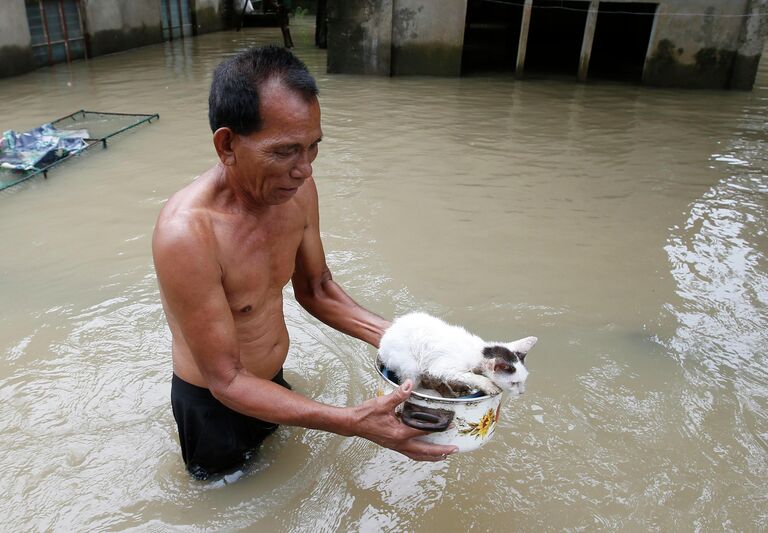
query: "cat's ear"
522, 346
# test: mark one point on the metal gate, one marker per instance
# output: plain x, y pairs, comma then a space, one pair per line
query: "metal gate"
176, 19
56, 27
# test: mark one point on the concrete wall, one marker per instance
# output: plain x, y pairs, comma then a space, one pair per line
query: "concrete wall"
116, 25
753, 38
109, 25
208, 15
694, 43
697, 51
428, 37
360, 36
15, 52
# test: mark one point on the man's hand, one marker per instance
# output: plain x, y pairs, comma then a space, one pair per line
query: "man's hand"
375, 420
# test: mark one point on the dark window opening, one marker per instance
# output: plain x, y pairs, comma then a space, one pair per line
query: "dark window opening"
491, 36
554, 37
621, 40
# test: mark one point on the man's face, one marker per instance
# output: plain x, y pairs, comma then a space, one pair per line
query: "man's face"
273, 163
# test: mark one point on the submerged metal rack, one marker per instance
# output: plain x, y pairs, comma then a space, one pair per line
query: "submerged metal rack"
101, 126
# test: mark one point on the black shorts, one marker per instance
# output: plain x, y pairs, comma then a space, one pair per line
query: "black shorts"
215, 439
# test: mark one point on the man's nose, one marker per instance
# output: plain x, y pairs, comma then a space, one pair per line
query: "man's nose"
303, 167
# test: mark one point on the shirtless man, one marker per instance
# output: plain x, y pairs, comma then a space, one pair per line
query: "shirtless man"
224, 248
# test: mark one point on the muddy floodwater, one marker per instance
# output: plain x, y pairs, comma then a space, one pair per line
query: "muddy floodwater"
624, 226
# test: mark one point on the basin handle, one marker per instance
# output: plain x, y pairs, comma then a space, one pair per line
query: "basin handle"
426, 418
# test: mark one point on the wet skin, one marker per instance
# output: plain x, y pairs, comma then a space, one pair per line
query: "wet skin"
224, 248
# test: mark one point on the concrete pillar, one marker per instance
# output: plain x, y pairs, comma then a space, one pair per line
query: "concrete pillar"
753, 37
428, 37
360, 36
589, 37
697, 52
652, 40
523, 43
15, 40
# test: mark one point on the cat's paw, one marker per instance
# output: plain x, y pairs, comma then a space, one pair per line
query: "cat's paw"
490, 388
481, 383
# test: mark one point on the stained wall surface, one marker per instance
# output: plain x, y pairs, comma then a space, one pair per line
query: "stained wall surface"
15, 52
208, 15
115, 25
109, 26
360, 37
428, 37
694, 43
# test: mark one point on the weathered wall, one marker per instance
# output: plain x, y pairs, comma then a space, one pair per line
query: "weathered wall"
694, 43
693, 50
208, 15
15, 52
116, 25
360, 36
753, 38
428, 37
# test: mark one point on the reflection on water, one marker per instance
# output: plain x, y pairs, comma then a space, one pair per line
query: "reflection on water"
624, 226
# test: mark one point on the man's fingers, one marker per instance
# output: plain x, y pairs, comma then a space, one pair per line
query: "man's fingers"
427, 452
429, 458
400, 394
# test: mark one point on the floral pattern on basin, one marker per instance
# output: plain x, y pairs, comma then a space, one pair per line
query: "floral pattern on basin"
482, 427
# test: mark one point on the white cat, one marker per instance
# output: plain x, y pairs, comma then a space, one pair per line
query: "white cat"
450, 360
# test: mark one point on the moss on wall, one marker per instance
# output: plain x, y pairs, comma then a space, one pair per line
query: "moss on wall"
428, 59
347, 42
15, 60
207, 19
360, 36
744, 72
110, 41
712, 69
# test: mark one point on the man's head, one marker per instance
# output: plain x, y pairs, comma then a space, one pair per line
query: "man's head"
265, 119
234, 98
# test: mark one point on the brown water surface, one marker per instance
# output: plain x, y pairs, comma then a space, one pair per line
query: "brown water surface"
624, 226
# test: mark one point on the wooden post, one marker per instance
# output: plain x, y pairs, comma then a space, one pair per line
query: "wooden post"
522, 44
589, 36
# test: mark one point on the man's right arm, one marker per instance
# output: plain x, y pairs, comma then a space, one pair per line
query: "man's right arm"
190, 279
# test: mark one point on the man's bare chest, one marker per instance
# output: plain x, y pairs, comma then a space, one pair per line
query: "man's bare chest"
257, 264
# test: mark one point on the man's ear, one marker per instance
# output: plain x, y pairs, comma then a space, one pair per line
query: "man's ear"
222, 141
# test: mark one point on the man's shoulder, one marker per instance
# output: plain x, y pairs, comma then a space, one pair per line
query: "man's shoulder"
185, 220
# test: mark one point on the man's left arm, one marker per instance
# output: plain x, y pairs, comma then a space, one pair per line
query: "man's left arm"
316, 291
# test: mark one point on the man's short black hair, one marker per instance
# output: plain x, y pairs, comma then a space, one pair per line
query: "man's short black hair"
234, 98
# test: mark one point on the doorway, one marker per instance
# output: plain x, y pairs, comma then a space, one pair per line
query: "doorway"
622, 34
491, 36
555, 36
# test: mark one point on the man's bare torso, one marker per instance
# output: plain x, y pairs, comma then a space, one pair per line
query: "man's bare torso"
256, 253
